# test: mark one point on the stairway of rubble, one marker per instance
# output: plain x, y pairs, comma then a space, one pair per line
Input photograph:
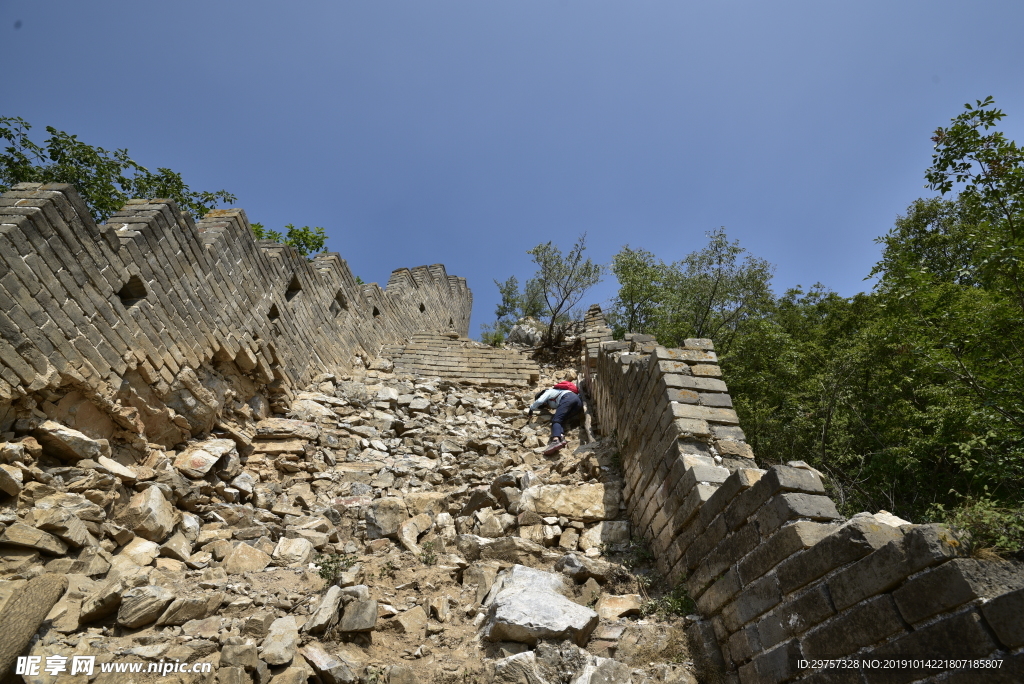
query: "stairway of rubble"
391, 528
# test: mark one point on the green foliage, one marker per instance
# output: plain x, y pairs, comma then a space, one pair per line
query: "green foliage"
514, 305
990, 170
105, 180
329, 566
712, 292
991, 528
555, 289
388, 569
910, 398
674, 603
304, 240
562, 282
429, 553
638, 554
641, 285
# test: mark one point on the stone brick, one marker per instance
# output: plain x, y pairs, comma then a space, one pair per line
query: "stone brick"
703, 543
1004, 615
868, 623
730, 550
716, 400
959, 636
787, 541
718, 593
712, 415
795, 616
775, 666
701, 475
743, 644
854, 540
884, 569
754, 600
791, 506
739, 481
953, 584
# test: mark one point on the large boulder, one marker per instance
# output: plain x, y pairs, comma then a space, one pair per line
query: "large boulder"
282, 640
69, 445
20, 534
61, 523
586, 502
143, 605
326, 613
149, 515
245, 558
284, 428
528, 605
608, 532
384, 518
297, 551
197, 460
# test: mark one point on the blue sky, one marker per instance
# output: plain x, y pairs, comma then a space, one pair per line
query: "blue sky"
467, 132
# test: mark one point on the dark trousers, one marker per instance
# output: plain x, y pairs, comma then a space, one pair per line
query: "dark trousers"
568, 407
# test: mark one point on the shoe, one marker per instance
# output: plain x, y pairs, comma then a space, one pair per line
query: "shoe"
554, 447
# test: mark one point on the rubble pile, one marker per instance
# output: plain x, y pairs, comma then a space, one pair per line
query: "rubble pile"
387, 528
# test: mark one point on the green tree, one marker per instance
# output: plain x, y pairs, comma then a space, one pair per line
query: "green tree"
562, 281
105, 180
304, 240
515, 304
551, 294
989, 169
641, 282
711, 293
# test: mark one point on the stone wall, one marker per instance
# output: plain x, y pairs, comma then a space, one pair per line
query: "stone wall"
150, 328
455, 358
777, 574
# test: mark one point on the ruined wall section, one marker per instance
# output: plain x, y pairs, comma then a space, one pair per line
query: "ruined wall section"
778, 576
163, 325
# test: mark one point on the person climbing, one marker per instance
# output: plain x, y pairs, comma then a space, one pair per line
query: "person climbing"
564, 399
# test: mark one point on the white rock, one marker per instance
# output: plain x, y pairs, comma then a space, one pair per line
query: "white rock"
143, 605
67, 444
141, 551
607, 532
278, 648
527, 605
326, 613
296, 551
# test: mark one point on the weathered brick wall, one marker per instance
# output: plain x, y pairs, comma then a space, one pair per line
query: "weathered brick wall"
458, 359
160, 322
777, 575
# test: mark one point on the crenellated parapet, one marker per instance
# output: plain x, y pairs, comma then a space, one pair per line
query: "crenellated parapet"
156, 319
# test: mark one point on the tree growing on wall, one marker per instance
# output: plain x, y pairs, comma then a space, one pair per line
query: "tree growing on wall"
304, 240
562, 281
106, 180
558, 285
515, 304
709, 293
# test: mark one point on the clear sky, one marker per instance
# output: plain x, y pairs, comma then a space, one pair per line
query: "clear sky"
466, 132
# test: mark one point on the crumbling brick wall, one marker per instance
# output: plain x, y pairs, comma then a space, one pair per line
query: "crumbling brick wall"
781, 581
152, 328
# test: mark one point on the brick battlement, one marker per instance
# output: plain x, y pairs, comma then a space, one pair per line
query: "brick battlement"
153, 311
